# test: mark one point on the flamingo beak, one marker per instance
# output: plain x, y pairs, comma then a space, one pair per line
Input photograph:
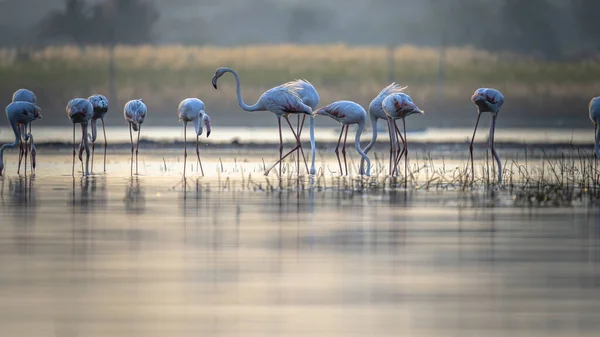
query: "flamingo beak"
214, 81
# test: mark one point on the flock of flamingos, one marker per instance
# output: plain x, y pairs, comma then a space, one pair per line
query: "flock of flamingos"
297, 97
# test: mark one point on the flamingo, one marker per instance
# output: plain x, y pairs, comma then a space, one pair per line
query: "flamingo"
20, 113
347, 112
80, 111
400, 105
375, 113
135, 114
25, 95
487, 100
100, 104
594, 108
192, 110
282, 101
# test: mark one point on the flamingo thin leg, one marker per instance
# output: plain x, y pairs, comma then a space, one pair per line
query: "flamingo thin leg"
493, 150
184, 147
337, 150
405, 154
132, 147
344, 148
298, 144
471, 148
198, 155
137, 149
105, 144
401, 153
73, 168
26, 148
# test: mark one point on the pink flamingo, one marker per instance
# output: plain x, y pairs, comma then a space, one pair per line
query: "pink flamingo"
20, 113
192, 110
80, 111
135, 114
100, 104
25, 95
347, 112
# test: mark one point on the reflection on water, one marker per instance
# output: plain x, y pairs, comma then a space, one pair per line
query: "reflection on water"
168, 258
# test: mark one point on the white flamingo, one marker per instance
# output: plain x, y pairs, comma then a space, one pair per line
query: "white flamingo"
25, 95
192, 110
282, 101
135, 114
80, 111
100, 104
400, 106
347, 112
487, 100
20, 113
375, 113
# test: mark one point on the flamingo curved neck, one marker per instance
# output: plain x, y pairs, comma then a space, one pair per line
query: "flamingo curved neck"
255, 107
94, 135
15, 128
359, 150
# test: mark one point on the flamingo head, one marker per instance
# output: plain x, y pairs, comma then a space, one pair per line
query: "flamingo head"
37, 112
206, 121
218, 74
487, 100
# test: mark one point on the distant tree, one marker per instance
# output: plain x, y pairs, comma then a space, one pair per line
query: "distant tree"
304, 19
124, 21
70, 24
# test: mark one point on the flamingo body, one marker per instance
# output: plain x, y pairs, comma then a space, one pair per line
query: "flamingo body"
399, 106
375, 113
24, 95
282, 101
192, 110
20, 113
346, 113
594, 108
487, 100
135, 114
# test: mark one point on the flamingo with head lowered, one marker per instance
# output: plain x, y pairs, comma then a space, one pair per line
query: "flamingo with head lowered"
375, 113
400, 106
347, 112
192, 110
20, 113
25, 95
80, 111
100, 105
135, 114
282, 100
487, 100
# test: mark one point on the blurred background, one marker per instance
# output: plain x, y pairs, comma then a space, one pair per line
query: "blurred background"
542, 54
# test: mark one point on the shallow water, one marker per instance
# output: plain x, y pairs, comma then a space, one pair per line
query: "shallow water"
118, 256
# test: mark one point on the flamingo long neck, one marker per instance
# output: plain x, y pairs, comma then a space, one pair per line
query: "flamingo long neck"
374, 135
255, 107
15, 128
361, 126
94, 135
198, 125
597, 143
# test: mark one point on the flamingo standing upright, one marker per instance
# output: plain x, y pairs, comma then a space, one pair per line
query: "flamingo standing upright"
100, 104
282, 101
347, 112
400, 106
80, 111
594, 108
192, 110
375, 113
487, 100
20, 113
25, 95
135, 114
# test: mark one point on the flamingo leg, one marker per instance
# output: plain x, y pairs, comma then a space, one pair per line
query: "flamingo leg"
298, 152
394, 143
21, 149
298, 144
105, 144
391, 145
73, 168
344, 148
595, 155
337, 149
137, 149
405, 154
493, 150
471, 148
26, 147
31, 146
84, 142
301, 126
184, 147
93, 150
280, 144
401, 153
198, 155
132, 148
